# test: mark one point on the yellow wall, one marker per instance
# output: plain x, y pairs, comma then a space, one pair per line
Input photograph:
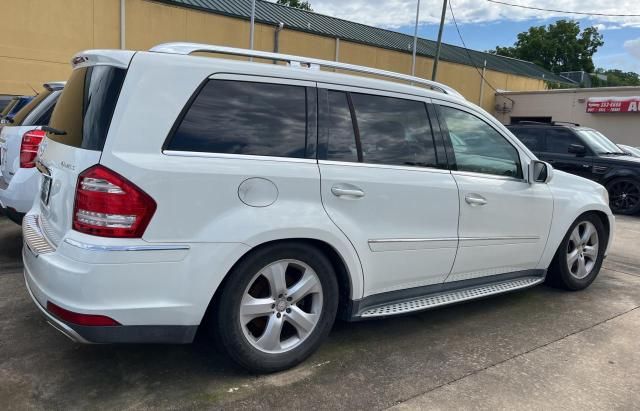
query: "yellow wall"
40, 37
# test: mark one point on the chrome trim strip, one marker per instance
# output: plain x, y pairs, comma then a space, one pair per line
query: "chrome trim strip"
424, 240
110, 248
489, 176
388, 166
186, 48
34, 237
55, 323
237, 156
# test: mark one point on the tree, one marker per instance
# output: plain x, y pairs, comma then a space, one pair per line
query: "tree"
560, 46
303, 5
616, 78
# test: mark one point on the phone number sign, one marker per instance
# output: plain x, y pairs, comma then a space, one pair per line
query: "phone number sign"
613, 104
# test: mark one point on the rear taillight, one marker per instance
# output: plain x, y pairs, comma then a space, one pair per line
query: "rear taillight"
109, 205
29, 148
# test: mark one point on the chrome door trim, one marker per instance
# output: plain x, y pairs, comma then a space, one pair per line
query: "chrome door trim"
176, 153
489, 176
110, 248
384, 166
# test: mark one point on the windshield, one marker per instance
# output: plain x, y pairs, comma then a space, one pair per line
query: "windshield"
599, 142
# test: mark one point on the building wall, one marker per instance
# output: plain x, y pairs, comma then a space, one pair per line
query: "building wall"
41, 36
570, 105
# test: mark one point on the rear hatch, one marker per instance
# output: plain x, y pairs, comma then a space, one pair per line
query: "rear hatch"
78, 131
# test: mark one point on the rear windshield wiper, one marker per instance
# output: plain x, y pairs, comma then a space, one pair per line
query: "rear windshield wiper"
54, 131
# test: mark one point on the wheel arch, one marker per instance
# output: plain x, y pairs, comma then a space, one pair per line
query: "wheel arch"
349, 282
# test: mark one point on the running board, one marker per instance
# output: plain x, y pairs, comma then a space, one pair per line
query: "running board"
450, 297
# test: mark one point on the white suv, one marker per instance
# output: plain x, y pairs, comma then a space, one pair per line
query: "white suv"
259, 201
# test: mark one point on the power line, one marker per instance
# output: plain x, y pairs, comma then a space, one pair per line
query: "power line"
453, 17
562, 11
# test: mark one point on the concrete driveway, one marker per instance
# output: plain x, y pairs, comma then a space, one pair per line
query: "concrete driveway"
537, 349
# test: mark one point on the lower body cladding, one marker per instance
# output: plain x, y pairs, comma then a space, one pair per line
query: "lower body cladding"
150, 296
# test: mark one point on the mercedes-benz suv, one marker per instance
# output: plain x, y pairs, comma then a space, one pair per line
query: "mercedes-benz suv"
261, 201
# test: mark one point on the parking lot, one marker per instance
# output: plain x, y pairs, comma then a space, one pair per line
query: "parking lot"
541, 348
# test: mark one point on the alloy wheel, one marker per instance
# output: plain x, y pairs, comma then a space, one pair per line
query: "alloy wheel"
624, 195
281, 306
582, 250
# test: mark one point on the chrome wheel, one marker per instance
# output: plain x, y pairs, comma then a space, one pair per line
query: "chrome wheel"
281, 306
582, 250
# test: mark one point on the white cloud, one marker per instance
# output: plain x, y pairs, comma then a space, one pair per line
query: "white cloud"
398, 13
633, 48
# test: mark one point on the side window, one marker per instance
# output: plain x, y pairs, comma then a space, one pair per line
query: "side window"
478, 147
341, 144
394, 131
559, 140
533, 138
239, 117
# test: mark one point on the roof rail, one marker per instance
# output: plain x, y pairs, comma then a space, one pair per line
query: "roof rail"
298, 61
570, 123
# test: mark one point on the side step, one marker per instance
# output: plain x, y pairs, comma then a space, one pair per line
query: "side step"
450, 297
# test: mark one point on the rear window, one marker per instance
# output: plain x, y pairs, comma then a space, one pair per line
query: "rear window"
239, 117
86, 106
26, 110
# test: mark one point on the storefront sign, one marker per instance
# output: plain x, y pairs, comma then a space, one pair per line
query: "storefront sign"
613, 104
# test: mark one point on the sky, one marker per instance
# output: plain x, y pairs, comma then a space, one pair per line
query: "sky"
485, 25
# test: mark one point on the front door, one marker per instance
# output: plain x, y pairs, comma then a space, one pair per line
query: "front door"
504, 220
556, 152
385, 186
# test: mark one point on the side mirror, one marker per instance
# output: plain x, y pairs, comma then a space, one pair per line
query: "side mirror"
577, 149
540, 172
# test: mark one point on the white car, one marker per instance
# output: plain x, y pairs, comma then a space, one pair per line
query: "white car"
19, 141
260, 201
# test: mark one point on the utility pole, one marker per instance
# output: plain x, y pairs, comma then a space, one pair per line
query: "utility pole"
415, 41
439, 44
253, 23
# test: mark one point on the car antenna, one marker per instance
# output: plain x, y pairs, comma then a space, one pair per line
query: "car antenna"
34, 90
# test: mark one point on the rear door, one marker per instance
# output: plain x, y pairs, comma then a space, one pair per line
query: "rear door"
504, 220
82, 116
384, 184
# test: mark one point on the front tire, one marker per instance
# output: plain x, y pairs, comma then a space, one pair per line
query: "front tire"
580, 254
624, 196
277, 307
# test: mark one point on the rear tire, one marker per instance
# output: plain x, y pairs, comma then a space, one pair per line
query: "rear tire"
624, 195
580, 255
277, 307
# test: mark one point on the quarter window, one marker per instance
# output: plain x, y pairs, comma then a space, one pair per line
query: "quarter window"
478, 147
239, 117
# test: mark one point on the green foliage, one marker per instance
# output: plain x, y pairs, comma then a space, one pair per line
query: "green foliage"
303, 5
560, 46
616, 78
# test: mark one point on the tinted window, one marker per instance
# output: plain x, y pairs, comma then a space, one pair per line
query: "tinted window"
341, 136
394, 131
86, 105
238, 117
26, 110
533, 138
559, 140
478, 147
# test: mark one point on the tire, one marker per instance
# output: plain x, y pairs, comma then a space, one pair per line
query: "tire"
624, 195
292, 328
566, 270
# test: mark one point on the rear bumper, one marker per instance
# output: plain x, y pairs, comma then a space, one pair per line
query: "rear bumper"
159, 295
19, 193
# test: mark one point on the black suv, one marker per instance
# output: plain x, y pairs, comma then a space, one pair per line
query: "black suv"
588, 153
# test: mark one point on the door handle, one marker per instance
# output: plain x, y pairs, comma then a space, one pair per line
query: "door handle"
475, 200
347, 190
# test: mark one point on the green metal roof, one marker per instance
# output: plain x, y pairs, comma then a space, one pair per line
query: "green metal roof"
273, 14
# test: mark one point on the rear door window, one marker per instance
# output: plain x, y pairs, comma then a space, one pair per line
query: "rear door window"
340, 129
249, 118
26, 110
86, 106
